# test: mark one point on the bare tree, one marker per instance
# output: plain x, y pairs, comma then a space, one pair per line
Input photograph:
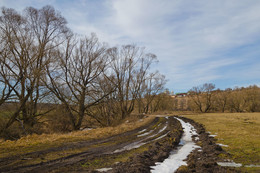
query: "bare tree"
221, 99
74, 79
130, 66
201, 96
152, 85
25, 41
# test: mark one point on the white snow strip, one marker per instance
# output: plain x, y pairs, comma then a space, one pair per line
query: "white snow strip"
104, 169
252, 166
161, 130
175, 160
142, 131
140, 143
212, 135
161, 136
229, 164
130, 146
160, 115
222, 145
145, 134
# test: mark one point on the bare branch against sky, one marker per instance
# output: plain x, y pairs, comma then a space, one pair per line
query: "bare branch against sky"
195, 41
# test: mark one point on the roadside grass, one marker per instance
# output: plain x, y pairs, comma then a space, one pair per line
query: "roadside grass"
32, 143
240, 131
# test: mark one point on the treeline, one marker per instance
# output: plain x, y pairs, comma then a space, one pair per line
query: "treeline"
206, 98
46, 68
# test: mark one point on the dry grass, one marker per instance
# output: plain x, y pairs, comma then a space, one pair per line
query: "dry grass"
33, 143
240, 131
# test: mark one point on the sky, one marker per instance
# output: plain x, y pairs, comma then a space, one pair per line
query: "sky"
196, 42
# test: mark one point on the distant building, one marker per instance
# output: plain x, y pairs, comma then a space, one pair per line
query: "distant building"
181, 94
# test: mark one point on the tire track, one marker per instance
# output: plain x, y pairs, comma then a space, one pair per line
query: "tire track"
158, 129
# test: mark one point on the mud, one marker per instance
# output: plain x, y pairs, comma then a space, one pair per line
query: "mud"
162, 136
94, 149
157, 152
205, 158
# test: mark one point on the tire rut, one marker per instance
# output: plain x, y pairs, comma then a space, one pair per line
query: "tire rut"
160, 126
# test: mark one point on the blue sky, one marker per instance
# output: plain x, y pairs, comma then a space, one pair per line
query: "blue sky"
195, 41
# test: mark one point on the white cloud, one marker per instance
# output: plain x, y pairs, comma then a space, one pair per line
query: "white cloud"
194, 40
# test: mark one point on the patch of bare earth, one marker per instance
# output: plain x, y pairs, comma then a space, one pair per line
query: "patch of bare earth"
158, 139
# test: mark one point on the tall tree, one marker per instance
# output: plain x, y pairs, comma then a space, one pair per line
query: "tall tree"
74, 78
25, 41
152, 85
130, 66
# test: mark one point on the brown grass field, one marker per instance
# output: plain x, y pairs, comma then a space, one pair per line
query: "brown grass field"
240, 131
33, 143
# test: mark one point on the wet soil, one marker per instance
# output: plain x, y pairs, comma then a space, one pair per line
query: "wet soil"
161, 136
204, 159
160, 129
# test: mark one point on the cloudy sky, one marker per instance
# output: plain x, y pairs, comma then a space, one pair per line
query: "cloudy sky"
195, 41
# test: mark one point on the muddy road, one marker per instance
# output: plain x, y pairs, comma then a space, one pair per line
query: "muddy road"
157, 139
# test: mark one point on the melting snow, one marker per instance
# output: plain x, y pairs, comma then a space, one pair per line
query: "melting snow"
229, 164
251, 166
142, 131
161, 136
212, 135
141, 143
223, 145
175, 160
104, 169
145, 134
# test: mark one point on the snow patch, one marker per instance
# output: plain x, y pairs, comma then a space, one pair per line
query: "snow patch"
142, 131
161, 130
252, 166
222, 145
104, 169
161, 136
229, 164
212, 135
177, 157
141, 143
145, 134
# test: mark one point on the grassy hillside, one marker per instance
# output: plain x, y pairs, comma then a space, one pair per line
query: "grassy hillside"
240, 131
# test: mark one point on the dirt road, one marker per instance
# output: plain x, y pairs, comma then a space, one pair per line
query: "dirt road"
159, 138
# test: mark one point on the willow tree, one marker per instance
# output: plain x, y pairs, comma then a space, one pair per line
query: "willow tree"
130, 67
26, 39
74, 77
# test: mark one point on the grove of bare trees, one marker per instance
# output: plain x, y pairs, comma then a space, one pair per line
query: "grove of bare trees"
205, 99
42, 62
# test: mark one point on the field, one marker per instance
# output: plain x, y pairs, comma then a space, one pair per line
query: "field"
33, 143
239, 131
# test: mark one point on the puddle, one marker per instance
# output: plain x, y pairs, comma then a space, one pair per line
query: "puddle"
175, 160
